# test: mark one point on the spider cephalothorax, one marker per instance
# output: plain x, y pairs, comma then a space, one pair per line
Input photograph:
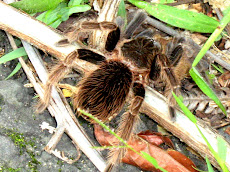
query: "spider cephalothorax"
141, 51
103, 92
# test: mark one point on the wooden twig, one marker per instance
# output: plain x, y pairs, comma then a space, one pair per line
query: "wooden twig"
107, 13
182, 2
155, 105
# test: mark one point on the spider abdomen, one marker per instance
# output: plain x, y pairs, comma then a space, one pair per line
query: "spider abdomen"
104, 91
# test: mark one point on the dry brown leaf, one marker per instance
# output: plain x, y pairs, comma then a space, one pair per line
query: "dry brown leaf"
165, 159
195, 100
224, 79
155, 138
223, 4
227, 130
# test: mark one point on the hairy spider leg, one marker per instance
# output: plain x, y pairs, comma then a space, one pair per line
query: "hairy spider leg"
126, 126
56, 74
86, 26
165, 65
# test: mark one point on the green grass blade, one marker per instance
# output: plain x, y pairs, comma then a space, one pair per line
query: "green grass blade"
217, 157
185, 109
205, 88
152, 160
218, 68
16, 69
193, 119
185, 19
35, 6
102, 124
13, 55
208, 144
210, 169
120, 139
107, 147
166, 1
222, 148
225, 20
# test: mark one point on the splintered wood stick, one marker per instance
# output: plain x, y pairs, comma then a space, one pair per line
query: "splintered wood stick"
155, 106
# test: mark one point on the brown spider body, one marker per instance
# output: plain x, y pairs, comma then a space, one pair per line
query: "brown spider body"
104, 91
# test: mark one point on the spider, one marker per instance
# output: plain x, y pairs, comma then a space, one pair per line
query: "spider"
134, 63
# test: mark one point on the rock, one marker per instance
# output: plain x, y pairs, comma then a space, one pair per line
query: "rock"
21, 140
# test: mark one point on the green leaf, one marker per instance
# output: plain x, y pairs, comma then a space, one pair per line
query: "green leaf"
16, 69
185, 19
153, 161
74, 2
150, 159
35, 6
56, 23
193, 119
63, 14
205, 88
13, 55
79, 9
210, 169
55, 16
222, 148
122, 12
208, 144
185, 109
52, 15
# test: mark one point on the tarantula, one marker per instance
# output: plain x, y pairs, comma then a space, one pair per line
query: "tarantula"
104, 91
